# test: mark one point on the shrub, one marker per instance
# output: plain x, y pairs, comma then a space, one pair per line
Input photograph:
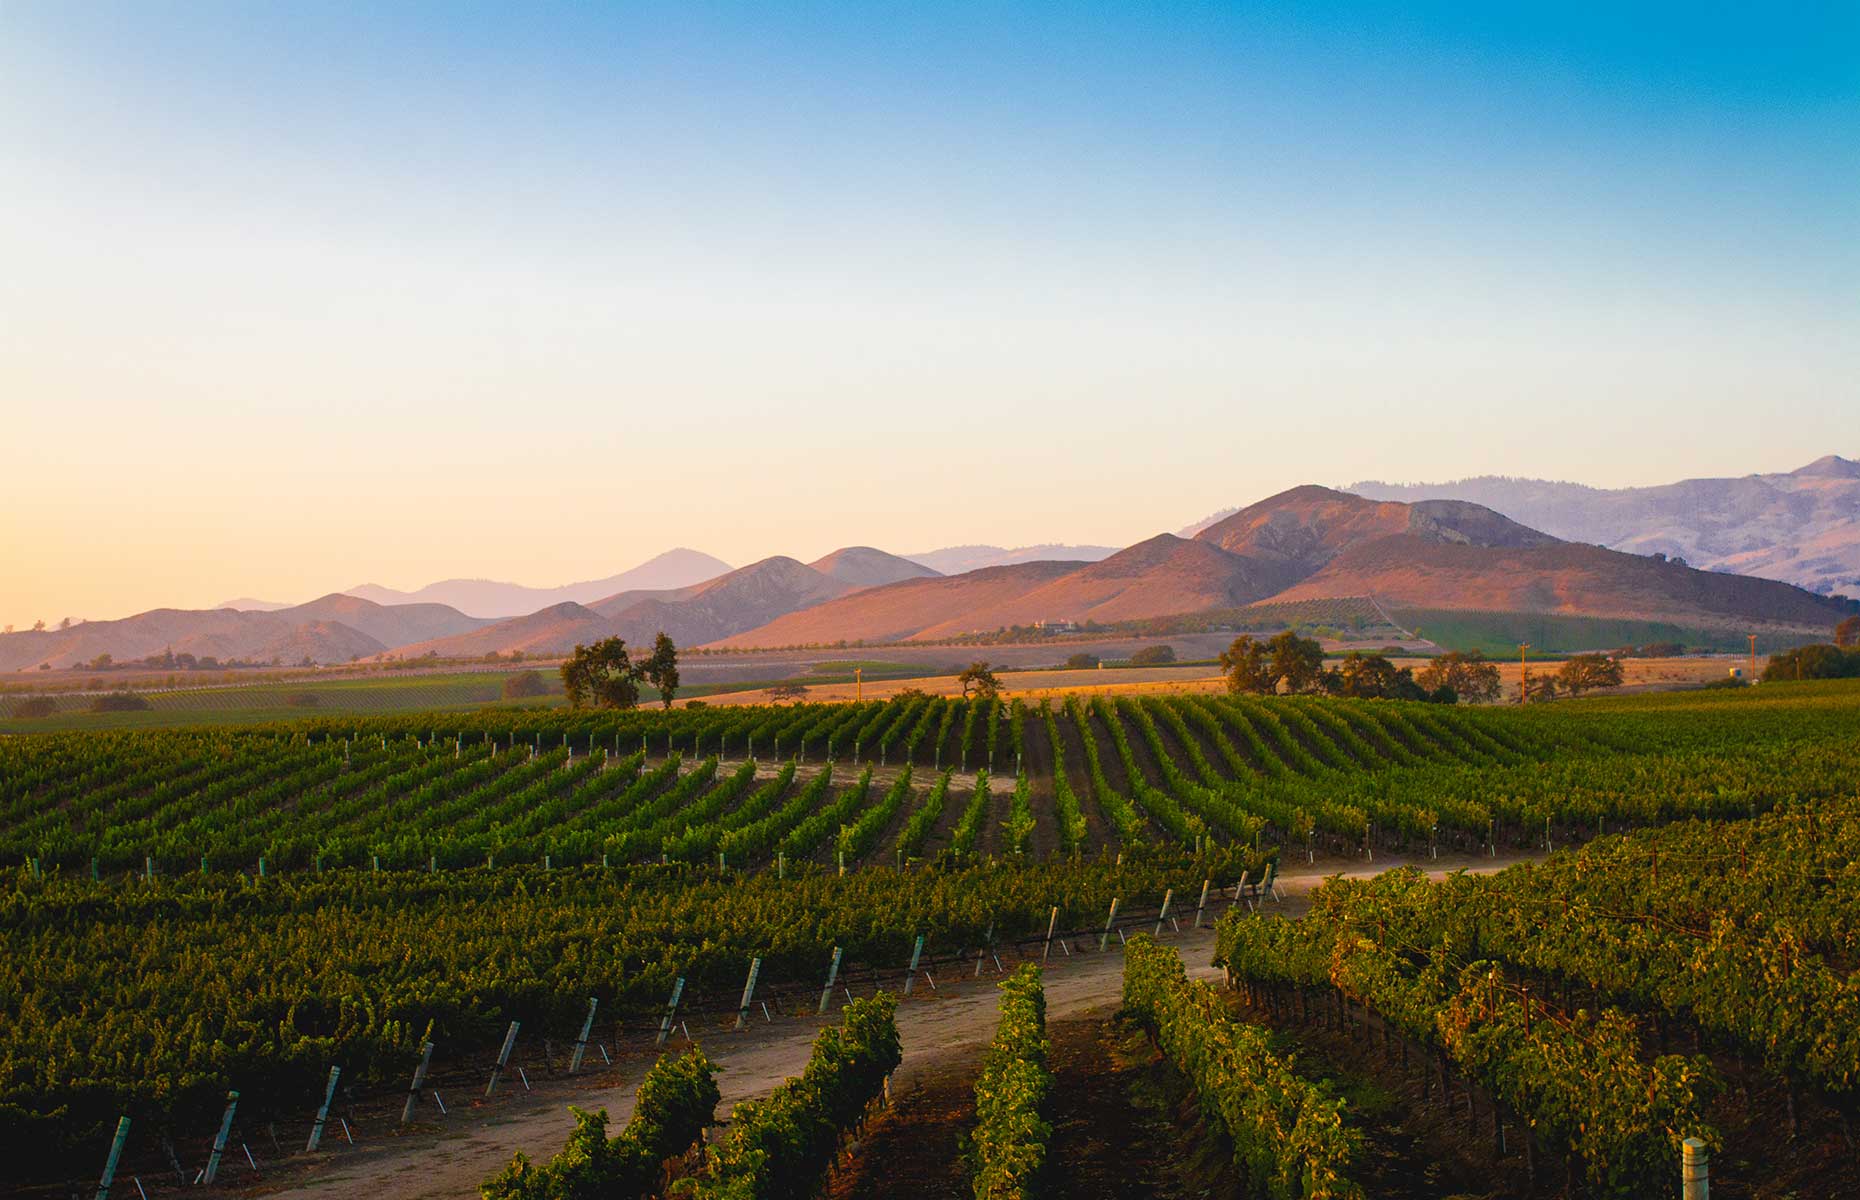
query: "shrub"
119, 702
37, 706
1153, 656
524, 685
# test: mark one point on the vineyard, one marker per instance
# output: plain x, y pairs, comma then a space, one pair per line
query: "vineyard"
193, 911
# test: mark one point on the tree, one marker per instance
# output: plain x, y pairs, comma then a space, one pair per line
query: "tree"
981, 678
1297, 662
37, 706
65, 624
787, 691
38, 626
1585, 672
1081, 662
660, 668
8, 629
1847, 633
1466, 672
601, 676
1244, 664
1542, 687
1820, 661
524, 685
1372, 677
1153, 656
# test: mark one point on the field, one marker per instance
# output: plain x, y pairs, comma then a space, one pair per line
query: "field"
193, 910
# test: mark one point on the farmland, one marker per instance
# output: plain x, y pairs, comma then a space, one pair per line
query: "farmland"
244, 907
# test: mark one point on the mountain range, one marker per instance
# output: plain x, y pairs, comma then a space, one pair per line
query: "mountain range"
1308, 543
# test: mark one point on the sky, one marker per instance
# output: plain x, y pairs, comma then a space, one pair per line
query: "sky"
296, 297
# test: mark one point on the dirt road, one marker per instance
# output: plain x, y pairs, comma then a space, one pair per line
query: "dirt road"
953, 1020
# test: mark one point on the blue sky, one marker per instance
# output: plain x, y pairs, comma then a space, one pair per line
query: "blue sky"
300, 296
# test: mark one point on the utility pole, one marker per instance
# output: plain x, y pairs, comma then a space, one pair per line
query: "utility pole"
1524, 666
1753, 657
859, 679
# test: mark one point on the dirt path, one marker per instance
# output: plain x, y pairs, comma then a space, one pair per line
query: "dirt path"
941, 1030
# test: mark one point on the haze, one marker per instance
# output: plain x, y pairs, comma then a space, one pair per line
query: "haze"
297, 297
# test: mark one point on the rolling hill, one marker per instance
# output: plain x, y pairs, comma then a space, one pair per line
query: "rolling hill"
333, 629
1800, 526
490, 598
1312, 543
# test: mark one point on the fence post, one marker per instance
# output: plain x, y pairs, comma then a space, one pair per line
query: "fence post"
219, 1139
910, 975
833, 973
985, 950
503, 1058
749, 991
1105, 941
1694, 1170
419, 1077
1203, 902
1052, 923
1168, 895
581, 1043
322, 1114
116, 1152
671, 1009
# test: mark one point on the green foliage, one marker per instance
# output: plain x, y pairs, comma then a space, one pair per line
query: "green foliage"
1153, 656
979, 680
1586, 672
1466, 673
1289, 1135
780, 1148
676, 1102
1007, 1149
1820, 661
601, 675
524, 685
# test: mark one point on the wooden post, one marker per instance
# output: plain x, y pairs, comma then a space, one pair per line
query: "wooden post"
1168, 895
581, 1043
116, 1152
833, 973
503, 1059
219, 1139
982, 953
1203, 902
322, 1114
671, 1009
749, 991
910, 973
1694, 1170
419, 1077
1105, 941
1052, 923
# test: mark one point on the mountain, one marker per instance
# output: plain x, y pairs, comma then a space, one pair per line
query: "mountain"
862, 566
1304, 544
954, 560
489, 598
1801, 526
899, 611
552, 630
333, 629
247, 604
741, 599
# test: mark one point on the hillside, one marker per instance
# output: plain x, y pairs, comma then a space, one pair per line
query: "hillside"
1801, 526
550, 631
899, 611
955, 560
490, 598
862, 567
333, 629
1312, 543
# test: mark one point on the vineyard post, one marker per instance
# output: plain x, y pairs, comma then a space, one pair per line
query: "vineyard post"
1203, 902
116, 1152
982, 953
1105, 941
671, 1009
1052, 923
503, 1058
910, 974
833, 973
419, 1077
322, 1113
1168, 895
581, 1043
1694, 1169
749, 990
148, 866
219, 1140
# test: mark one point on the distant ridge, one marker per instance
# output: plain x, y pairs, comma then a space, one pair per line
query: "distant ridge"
1800, 526
490, 598
954, 560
